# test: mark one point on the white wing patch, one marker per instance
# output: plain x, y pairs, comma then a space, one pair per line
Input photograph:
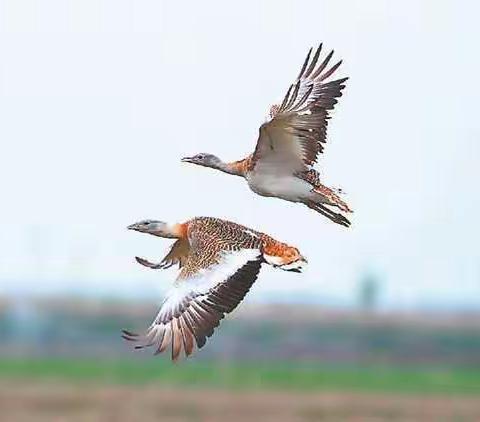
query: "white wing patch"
206, 279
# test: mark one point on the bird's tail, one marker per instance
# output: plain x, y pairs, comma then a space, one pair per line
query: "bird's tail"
281, 255
331, 197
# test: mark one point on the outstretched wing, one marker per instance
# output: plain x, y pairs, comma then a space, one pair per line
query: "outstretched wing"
295, 135
200, 298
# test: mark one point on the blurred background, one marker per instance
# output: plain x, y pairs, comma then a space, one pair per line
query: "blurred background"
99, 100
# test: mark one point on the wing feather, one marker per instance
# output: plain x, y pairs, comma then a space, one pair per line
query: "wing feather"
187, 336
196, 304
305, 63
166, 338
177, 339
313, 63
297, 131
323, 65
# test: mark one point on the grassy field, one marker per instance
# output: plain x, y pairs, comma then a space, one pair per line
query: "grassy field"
157, 390
277, 376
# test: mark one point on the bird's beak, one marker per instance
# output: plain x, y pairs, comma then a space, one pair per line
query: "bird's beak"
132, 227
187, 160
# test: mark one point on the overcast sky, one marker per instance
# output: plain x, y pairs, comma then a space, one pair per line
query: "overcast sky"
99, 100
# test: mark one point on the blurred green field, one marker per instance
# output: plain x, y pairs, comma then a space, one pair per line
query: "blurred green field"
261, 376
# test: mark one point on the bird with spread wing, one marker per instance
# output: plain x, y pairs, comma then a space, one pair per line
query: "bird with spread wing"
219, 261
289, 143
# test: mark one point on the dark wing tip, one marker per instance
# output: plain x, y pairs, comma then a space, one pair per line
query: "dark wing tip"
144, 262
127, 335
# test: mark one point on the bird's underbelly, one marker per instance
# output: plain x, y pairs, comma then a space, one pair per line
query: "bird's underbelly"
286, 187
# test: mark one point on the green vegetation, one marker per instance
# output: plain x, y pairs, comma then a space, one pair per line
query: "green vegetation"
287, 375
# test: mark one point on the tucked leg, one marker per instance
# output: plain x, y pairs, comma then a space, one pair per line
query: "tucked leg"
335, 217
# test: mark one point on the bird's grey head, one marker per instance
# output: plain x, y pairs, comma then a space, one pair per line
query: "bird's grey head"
204, 159
155, 227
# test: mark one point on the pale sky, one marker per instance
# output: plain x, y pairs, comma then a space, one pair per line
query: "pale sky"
99, 100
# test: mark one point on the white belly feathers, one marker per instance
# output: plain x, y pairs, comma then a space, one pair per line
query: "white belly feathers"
283, 186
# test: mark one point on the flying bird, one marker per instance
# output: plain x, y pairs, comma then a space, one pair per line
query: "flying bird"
219, 261
289, 143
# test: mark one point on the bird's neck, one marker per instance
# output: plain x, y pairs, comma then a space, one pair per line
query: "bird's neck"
237, 168
172, 231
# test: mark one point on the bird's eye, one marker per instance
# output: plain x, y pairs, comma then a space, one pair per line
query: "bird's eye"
200, 156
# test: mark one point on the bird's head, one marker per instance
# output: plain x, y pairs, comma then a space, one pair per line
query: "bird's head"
154, 227
204, 159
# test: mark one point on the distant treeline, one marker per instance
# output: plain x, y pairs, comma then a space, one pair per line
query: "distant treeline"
90, 328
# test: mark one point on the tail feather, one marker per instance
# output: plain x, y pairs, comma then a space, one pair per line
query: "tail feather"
281, 255
332, 197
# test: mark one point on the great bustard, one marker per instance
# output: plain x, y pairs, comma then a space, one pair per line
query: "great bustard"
219, 262
288, 145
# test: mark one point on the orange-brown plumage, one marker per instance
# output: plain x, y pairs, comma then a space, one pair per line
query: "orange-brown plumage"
181, 230
241, 167
287, 254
